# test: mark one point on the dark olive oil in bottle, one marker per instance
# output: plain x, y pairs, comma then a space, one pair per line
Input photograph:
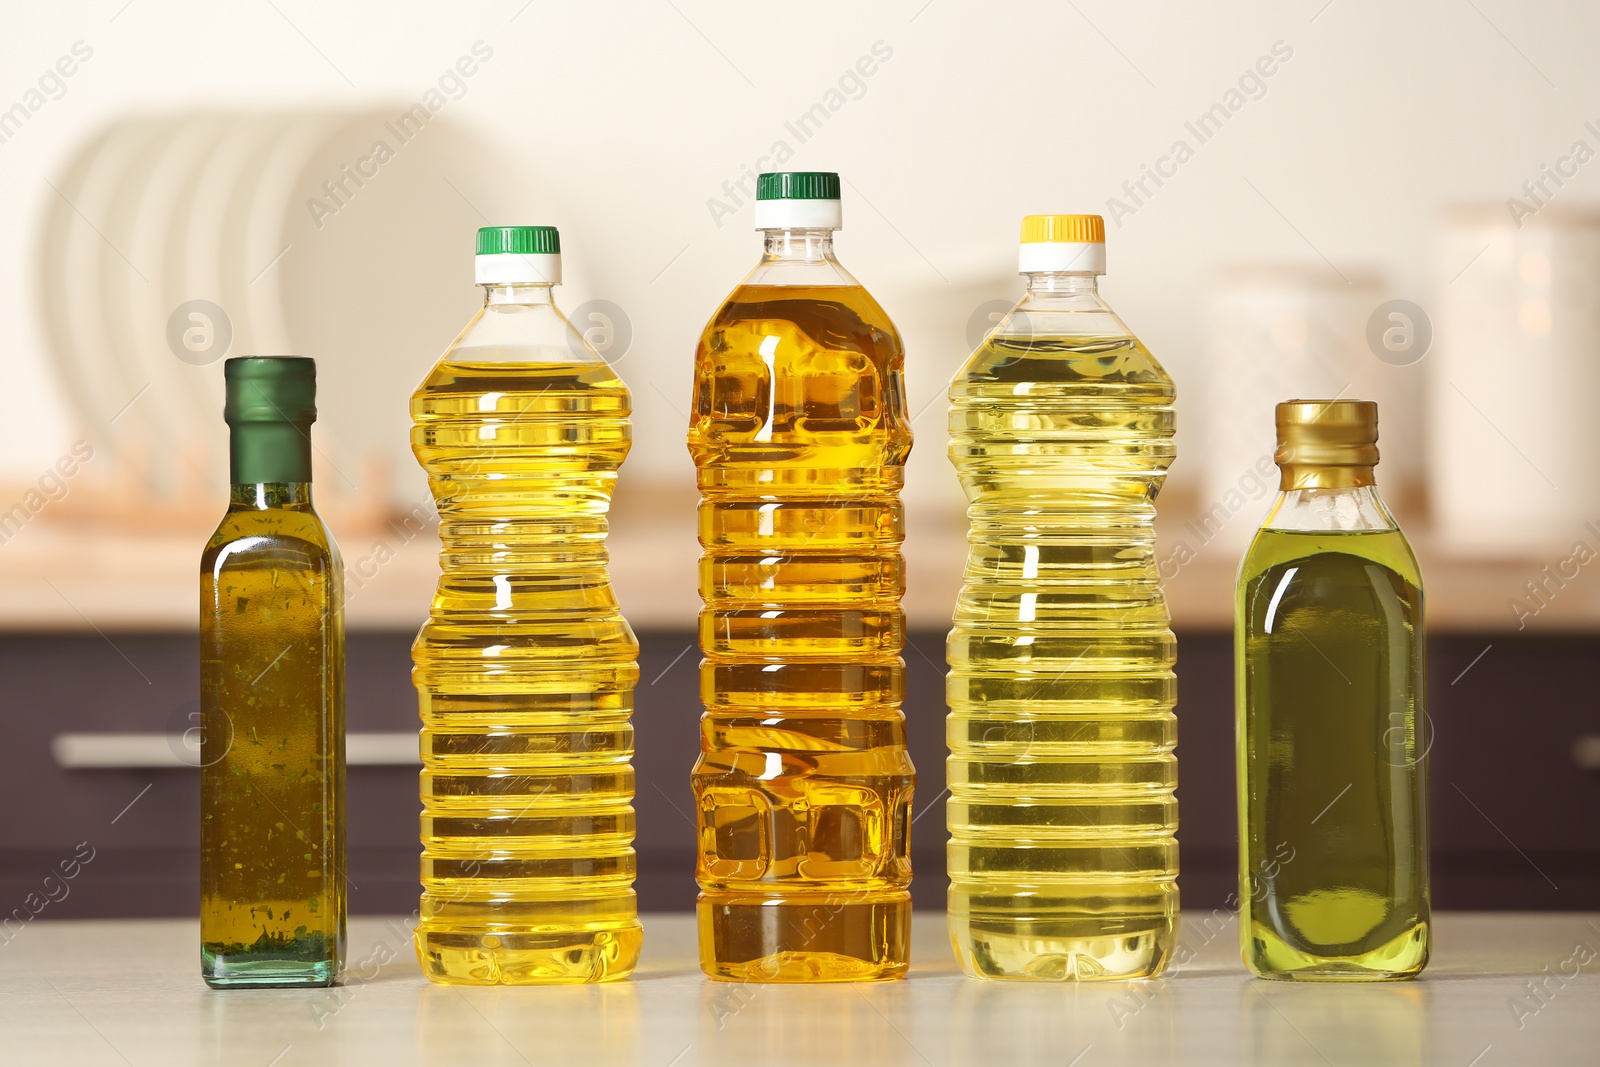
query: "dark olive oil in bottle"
272, 894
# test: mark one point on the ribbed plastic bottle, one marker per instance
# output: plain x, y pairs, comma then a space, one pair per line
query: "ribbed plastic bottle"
803, 786
1063, 862
525, 669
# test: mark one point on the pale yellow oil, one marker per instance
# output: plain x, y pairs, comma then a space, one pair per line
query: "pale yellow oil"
803, 787
1063, 860
525, 673
1332, 740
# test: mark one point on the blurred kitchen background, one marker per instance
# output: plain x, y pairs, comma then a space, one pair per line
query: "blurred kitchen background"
1317, 198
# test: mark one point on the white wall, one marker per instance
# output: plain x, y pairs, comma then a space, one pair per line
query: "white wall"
634, 115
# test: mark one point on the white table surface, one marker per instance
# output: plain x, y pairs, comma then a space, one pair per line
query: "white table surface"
129, 993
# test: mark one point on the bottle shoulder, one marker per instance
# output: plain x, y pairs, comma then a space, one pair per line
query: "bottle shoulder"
812, 268
513, 395
1332, 508
532, 333
252, 537
843, 317
1036, 366
1274, 553
472, 377
796, 373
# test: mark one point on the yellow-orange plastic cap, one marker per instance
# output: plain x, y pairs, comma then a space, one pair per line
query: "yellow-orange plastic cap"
1063, 229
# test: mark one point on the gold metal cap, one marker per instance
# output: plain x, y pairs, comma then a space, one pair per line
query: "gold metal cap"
1327, 444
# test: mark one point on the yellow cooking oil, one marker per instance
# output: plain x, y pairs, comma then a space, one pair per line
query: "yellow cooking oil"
525, 668
1062, 856
803, 787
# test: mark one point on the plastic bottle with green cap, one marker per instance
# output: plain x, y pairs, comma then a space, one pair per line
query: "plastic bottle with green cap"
803, 788
1063, 858
525, 668
272, 867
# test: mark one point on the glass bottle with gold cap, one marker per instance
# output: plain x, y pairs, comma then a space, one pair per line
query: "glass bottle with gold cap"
272, 892
1063, 863
1332, 736
525, 668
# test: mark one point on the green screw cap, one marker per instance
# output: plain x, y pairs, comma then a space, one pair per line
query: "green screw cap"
798, 185
270, 389
519, 240
271, 404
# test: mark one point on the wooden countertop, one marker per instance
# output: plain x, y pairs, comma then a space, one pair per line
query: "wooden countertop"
129, 992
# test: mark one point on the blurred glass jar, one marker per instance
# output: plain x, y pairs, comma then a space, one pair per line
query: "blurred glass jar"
1514, 445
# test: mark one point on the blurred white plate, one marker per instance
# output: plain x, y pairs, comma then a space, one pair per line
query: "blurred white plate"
218, 207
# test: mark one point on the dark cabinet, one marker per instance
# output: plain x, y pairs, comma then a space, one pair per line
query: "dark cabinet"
1516, 820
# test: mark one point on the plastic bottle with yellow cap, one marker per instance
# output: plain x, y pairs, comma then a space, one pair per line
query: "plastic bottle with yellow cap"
1063, 861
1332, 734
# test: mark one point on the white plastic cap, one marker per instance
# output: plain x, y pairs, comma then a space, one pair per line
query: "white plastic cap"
799, 215
1039, 256
798, 200
517, 268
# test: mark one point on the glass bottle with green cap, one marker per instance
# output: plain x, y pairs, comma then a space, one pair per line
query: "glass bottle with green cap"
803, 787
272, 866
525, 668
1333, 736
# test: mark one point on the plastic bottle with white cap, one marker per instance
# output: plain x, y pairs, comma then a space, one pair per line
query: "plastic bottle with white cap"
1063, 862
803, 787
525, 668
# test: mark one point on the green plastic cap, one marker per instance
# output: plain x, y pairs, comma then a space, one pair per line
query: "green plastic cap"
798, 185
519, 240
271, 404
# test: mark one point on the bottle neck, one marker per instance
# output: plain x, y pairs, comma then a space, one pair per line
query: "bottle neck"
265, 496
1325, 476
798, 246
261, 453
1062, 284
1069, 291
518, 294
